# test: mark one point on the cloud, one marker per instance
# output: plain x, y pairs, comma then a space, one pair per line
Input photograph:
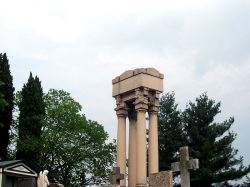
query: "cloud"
80, 46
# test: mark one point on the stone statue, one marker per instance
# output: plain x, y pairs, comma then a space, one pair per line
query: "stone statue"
42, 180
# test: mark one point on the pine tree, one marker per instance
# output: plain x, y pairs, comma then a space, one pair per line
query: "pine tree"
32, 112
171, 135
7, 100
211, 143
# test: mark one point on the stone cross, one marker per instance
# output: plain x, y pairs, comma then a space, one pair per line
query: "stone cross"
116, 176
184, 166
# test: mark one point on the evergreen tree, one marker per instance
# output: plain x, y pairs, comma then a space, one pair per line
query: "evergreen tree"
3, 102
211, 143
6, 100
32, 112
170, 131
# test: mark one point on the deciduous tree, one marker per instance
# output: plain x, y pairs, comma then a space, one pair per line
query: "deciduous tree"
75, 149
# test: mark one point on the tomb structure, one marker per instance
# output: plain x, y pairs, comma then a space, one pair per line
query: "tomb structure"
137, 93
16, 173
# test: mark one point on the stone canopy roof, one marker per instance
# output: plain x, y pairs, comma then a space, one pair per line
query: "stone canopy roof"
130, 73
130, 80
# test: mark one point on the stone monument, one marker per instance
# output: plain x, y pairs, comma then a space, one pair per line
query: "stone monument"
116, 176
161, 179
137, 92
184, 166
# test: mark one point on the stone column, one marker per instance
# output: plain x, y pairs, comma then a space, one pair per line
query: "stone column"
122, 113
153, 160
132, 149
141, 106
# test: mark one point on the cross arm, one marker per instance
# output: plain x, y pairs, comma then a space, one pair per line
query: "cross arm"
175, 166
193, 164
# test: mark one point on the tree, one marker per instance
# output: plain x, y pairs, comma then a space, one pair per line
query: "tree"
75, 149
6, 103
32, 111
3, 102
171, 135
211, 143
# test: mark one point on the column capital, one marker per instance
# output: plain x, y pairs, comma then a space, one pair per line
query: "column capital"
141, 99
154, 104
121, 113
121, 107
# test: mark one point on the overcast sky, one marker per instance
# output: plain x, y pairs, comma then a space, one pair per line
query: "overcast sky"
80, 46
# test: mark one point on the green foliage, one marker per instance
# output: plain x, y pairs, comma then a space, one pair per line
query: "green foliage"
3, 102
32, 111
170, 130
6, 104
75, 151
14, 127
211, 142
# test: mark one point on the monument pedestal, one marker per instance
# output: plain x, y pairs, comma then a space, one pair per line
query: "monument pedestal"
161, 179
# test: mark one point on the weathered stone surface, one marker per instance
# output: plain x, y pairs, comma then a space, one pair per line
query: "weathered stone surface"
116, 176
126, 75
141, 77
161, 179
184, 166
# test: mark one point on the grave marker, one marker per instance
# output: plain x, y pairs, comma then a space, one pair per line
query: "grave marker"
116, 176
184, 166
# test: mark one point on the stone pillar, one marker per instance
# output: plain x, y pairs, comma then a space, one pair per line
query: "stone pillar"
132, 149
121, 112
153, 156
141, 106
153, 160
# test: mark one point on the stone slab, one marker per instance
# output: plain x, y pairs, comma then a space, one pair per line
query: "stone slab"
132, 79
161, 179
